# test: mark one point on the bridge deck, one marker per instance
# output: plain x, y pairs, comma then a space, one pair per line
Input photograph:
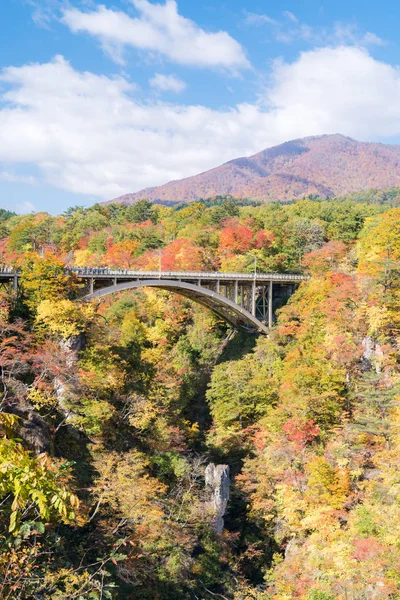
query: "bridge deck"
247, 300
103, 273
203, 275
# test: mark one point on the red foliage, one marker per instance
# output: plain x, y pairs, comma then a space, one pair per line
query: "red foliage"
301, 432
367, 549
143, 225
303, 585
293, 477
242, 236
238, 238
15, 355
258, 435
264, 239
6, 256
82, 244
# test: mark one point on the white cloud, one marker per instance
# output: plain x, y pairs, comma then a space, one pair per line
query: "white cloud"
340, 90
25, 208
340, 33
350, 34
167, 83
291, 16
160, 29
89, 134
371, 39
14, 178
44, 11
258, 19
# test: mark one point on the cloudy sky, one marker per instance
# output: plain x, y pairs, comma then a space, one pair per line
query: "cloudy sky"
102, 98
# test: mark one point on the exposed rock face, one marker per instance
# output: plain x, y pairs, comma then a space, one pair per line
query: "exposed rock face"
65, 387
292, 548
72, 346
218, 484
74, 342
32, 428
368, 353
372, 355
62, 394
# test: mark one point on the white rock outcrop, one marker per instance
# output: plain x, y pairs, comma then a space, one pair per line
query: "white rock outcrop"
218, 485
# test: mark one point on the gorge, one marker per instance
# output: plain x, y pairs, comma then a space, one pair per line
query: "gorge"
152, 450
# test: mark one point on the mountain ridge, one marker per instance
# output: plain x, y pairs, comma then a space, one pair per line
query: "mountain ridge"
327, 165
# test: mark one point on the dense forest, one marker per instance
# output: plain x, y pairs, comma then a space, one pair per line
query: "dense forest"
112, 410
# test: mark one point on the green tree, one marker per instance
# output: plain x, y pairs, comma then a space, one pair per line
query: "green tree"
142, 211
32, 232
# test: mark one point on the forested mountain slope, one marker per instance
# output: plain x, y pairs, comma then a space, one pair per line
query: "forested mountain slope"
326, 165
111, 411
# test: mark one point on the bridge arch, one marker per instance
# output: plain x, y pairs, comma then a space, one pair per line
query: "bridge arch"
224, 307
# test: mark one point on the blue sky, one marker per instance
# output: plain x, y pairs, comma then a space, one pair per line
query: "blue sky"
104, 98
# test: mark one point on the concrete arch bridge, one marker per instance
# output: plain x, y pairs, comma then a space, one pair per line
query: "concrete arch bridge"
247, 301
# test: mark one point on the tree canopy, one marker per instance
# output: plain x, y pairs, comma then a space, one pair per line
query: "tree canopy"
112, 410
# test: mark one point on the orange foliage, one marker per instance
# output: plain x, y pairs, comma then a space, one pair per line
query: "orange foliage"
182, 255
120, 255
326, 258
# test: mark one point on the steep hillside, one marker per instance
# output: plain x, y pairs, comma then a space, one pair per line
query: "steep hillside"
326, 165
124, 423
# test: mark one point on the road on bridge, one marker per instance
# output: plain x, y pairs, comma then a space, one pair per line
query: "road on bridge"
246, 300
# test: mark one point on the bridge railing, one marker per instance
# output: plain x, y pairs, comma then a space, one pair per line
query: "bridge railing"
203, 275
89, 271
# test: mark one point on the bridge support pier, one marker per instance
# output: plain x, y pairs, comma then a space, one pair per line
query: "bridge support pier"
91, 285
253, 298
270, 298
15, 283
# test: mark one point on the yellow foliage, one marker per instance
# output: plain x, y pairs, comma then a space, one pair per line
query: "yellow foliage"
126, 487
291, 507
379, 243
132, 329
67, 583
142, 412
44, 278
327, 485
65, 317
234, 263
41, 398
85, 258
102, 369
33, 484
8, 423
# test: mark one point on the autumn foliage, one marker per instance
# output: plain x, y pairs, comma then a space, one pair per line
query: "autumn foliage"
112, 410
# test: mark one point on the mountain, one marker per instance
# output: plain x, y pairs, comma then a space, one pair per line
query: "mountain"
327, 165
